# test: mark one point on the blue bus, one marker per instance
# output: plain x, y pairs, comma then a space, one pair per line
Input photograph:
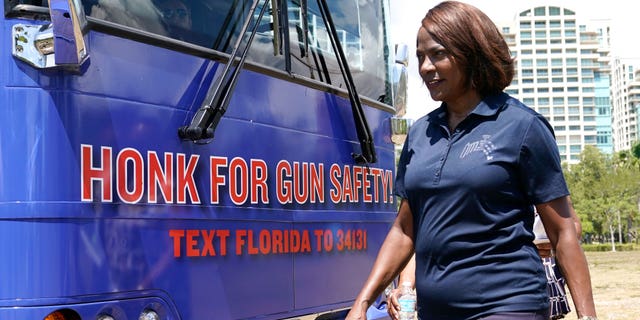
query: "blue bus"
195, 159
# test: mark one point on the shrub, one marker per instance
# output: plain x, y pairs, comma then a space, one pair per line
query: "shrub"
607, 247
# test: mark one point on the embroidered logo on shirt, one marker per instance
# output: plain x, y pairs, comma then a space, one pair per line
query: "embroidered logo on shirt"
485, 145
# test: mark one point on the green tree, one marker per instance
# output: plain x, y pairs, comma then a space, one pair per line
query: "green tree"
635, 150
586, 184
606, 192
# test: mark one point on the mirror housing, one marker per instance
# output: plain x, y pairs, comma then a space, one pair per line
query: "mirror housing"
400, 79
58, 44
399, 125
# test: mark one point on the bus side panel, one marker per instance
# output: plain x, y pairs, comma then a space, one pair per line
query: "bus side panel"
340, 269
243, 233
73, 257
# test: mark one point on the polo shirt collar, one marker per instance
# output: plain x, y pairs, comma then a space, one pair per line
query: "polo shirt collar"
489, 106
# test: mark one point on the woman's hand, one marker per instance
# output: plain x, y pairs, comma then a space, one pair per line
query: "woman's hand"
393, 307
396, 251
357, 312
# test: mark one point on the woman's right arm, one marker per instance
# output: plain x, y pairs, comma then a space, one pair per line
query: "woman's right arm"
394, 254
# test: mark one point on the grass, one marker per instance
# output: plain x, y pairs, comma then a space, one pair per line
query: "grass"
615, 279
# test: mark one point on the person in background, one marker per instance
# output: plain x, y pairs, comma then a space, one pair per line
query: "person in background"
469, 176
558, 301
177, 17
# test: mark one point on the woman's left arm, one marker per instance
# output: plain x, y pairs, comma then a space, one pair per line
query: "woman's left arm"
558, 220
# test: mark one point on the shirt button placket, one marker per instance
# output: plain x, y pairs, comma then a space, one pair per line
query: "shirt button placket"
438, 174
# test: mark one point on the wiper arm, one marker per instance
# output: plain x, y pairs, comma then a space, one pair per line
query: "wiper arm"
367, 147
226, 25
305, 27
206, 119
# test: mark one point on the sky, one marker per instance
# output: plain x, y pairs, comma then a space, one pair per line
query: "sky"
407, 14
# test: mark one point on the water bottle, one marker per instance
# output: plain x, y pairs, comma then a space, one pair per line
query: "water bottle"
407, 301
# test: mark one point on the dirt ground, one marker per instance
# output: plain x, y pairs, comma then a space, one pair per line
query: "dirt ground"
615, 278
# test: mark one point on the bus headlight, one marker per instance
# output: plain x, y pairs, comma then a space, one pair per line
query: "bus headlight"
149, 315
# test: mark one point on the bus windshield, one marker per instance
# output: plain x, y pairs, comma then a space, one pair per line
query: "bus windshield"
217, 25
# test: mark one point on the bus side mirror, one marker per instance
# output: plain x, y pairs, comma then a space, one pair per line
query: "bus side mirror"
399, 125
58, 44
400, 79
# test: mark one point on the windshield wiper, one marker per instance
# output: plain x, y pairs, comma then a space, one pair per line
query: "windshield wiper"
204, 122
367, 147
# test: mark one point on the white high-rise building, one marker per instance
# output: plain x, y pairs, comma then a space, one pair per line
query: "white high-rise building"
562, 71
625, 95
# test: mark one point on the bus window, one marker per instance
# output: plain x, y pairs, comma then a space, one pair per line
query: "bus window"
184, 20
211, 24
363, 42
141, 14
263, 49
217, 25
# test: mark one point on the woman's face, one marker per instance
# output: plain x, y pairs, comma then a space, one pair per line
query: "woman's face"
442, 75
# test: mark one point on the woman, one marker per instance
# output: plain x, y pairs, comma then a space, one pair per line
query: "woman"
469, 176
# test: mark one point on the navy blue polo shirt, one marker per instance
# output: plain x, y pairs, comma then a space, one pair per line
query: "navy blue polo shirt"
471, 192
